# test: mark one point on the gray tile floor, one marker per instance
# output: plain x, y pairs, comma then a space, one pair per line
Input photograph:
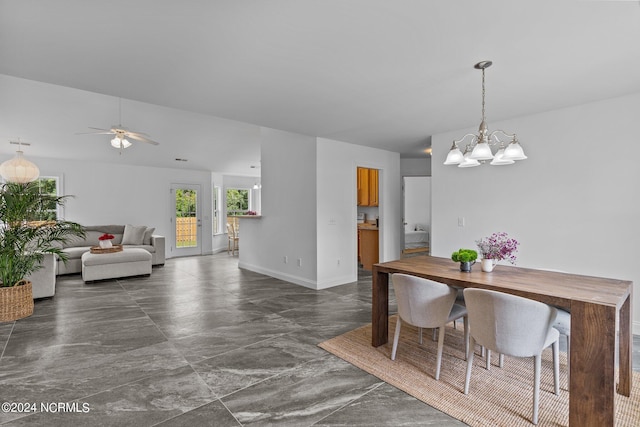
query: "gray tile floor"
198, 343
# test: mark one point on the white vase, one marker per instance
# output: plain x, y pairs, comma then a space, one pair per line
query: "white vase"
105, 244
488, 264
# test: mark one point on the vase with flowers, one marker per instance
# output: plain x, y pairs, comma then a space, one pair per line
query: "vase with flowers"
495, 248
105, 240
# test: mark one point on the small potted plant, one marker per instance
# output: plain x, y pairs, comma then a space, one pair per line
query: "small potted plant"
466, 258
497, 247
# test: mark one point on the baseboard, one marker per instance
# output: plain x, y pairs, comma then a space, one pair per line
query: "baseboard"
337, 281
279, 275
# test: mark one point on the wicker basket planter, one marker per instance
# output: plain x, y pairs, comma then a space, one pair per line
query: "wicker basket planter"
16, 302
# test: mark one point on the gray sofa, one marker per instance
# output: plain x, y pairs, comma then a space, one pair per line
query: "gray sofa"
129, 236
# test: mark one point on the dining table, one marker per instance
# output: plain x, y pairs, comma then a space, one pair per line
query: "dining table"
601, 315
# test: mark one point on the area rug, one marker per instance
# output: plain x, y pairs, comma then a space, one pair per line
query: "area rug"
498, 397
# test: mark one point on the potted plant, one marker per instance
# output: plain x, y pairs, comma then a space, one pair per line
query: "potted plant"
466, 258
497, 247
26, 235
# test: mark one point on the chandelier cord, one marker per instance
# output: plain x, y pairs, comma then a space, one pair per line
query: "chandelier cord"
483, 95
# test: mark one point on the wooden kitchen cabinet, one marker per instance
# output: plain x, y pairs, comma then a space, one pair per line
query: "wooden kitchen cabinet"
373, 187
368, 247
363, 187
367, 187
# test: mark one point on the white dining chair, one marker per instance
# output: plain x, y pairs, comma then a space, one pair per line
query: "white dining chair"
514, 326
563, 325
426, 304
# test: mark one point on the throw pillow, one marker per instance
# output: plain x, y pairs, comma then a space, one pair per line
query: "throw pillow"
133, 234
146, 239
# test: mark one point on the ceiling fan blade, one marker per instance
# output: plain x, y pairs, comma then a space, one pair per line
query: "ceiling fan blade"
136, 133
141, 138
104, 132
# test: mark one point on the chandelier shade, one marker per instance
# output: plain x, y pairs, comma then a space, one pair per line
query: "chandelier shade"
478, 149
19, 169
514, 151
482, 151
499, 159
455, 156
468, 161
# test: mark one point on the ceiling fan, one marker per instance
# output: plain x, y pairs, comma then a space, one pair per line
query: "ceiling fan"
120, 134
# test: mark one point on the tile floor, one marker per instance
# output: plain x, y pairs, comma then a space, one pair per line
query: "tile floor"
198, 343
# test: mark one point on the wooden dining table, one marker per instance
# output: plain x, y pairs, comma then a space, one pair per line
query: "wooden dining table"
599, 308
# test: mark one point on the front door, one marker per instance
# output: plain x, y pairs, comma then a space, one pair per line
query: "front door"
187, 229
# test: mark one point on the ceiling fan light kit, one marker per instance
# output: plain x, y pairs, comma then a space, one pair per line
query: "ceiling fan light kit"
121, 134
119, 141
478, 150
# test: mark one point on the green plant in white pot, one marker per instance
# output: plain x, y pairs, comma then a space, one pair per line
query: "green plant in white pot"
25, 237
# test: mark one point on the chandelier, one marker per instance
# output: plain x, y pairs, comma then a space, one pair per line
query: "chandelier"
19, 169
478, 149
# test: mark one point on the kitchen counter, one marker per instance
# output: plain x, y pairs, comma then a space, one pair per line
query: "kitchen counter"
367, 226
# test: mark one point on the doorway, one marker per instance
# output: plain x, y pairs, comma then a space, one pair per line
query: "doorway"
368, 209
187, 229
416, 231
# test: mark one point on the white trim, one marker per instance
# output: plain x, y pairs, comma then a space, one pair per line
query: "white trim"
279, 275
336, 281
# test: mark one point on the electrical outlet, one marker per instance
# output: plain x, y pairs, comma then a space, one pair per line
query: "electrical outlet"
461, 221
285, 259
338, 262
299, 262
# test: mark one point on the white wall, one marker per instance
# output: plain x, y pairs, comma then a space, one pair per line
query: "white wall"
337, 207
573, 205
288, 223
309, 209
416, 166
121, 194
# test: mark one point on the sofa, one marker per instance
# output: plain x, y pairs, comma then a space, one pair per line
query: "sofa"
129, 236
44, 279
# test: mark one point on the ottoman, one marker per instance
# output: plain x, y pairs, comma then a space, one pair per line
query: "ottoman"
128, 262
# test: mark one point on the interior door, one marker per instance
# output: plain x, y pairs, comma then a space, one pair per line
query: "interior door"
417, 214
186, 219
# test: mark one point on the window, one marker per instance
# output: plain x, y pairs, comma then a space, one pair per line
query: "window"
237, 201
217, 204
186, 218
49, 185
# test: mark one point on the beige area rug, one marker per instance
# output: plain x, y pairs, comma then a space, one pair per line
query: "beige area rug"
498, 397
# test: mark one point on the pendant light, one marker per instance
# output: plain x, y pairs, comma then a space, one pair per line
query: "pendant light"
478, 150
19, 169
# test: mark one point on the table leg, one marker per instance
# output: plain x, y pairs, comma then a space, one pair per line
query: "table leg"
379, 308
592, 377
626, 346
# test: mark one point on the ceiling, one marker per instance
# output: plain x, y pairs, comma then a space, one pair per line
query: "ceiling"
385, 74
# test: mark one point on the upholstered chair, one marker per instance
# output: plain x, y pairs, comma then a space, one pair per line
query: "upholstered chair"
513, 326
426, 304
563, 325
